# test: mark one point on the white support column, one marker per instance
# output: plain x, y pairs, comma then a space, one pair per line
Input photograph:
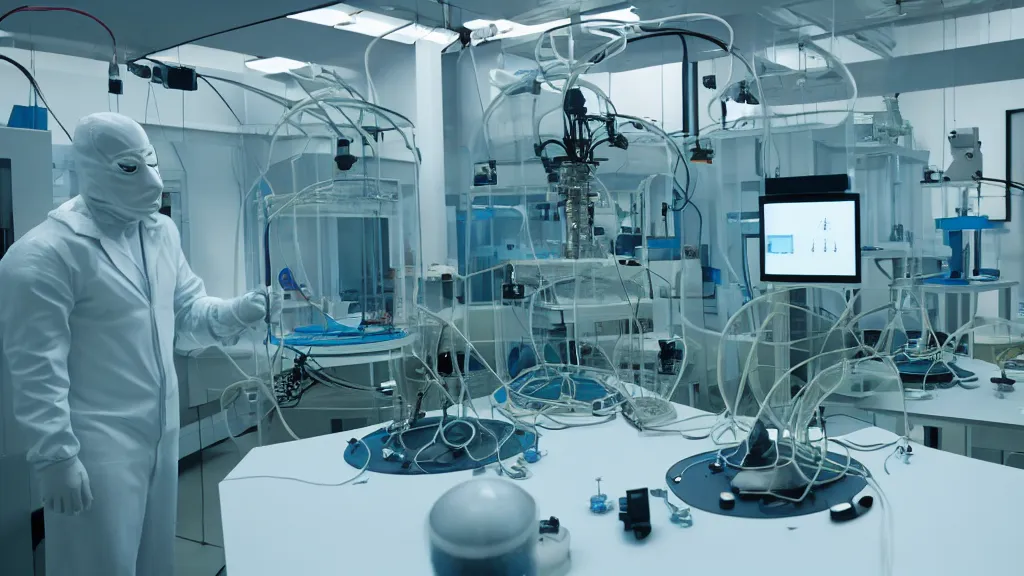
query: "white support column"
430, 138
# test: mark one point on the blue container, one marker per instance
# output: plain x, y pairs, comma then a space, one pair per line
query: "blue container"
30, 117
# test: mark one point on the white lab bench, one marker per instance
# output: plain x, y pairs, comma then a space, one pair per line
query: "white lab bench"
276, 527
975, 417
959, 304
358, 354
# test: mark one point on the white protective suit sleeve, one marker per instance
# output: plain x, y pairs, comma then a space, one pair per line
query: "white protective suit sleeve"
36, 339
209, 320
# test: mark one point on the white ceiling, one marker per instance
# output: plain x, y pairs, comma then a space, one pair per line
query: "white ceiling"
307, 42
146, 26
430, 12
756, 27
249, 26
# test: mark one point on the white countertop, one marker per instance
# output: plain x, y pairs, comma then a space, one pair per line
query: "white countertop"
972, 288
274, 527
357, 354
958, 404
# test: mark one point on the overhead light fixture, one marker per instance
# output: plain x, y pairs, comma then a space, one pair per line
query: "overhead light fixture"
352, 19
202, 57
510, 29
378, 25
502, 25
330, 16
274, 65
626, 14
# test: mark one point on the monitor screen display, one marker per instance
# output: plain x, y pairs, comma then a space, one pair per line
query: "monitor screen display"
811, 238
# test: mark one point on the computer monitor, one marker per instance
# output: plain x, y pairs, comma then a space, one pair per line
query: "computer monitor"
810, 238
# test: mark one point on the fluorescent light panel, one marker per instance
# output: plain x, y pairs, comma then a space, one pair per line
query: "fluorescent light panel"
624, 14
202, 57
510, 29
330, 16
274, 65
352, 19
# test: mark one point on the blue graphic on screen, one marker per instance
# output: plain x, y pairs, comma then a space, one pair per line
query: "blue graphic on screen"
780, 244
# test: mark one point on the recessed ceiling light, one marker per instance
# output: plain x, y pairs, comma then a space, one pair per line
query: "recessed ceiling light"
509, 29
325, 17
351, 19
274, 65
624, 14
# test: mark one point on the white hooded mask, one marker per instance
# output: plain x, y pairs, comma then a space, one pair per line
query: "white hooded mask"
118, 175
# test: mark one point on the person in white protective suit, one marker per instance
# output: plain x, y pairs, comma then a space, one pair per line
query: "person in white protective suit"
92, 299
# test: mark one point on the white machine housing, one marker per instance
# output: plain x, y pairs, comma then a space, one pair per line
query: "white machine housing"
26, 196
965, 147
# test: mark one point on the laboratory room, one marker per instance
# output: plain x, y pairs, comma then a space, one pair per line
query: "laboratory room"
532, 288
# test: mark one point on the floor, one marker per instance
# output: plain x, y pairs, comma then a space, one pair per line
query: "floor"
199, 546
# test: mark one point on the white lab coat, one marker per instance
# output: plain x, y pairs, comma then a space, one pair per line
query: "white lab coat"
88, 344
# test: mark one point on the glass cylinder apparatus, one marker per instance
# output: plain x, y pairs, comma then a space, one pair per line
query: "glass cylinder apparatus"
335, 248
574, 190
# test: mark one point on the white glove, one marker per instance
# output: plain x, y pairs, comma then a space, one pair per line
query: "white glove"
65, 487
251, 309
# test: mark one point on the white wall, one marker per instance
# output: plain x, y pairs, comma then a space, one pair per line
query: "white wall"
194, 132
997, 26
76, 87
655, 93
211, 165
934, 113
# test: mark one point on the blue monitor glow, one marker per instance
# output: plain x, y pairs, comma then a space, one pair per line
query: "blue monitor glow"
810, 238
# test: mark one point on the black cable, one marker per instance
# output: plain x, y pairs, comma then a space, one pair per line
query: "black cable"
221, 96
685, 85
826, 418
547, 143
862, 448
700, 219
266, 255
240, 27
327, 380
593, 147
681, 34
746, 269
198, 542
39, 91
1008, 183
26, 9
686, 166
320, 372
660, 32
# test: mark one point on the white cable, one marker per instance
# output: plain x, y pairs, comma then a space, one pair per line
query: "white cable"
371, 89
310, 482
480, 97
449, 443
888, 532
269, 391
746, 308
802, 408
223, 409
